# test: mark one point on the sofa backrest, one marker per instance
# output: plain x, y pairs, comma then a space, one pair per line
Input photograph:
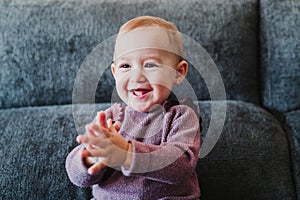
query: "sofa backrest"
280, 57
43, 44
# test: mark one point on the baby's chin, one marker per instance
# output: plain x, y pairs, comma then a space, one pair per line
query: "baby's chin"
145, 108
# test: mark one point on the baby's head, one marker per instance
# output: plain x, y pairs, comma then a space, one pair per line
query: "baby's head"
148, 61
169, 36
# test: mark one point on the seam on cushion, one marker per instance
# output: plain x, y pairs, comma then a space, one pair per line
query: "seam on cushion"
286, 130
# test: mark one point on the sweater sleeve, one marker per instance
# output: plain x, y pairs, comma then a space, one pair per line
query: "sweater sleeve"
176, 157
78, 172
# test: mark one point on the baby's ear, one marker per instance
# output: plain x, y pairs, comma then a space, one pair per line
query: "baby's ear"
113, 68
182, 69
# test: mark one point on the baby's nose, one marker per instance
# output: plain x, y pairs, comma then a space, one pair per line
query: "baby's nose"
138, 75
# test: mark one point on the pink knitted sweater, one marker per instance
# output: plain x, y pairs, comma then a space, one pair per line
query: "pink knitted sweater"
166, 145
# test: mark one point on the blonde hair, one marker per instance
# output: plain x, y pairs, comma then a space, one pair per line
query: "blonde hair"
150, 21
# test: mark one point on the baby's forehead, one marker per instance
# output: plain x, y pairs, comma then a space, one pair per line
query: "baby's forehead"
146, 54
146, 38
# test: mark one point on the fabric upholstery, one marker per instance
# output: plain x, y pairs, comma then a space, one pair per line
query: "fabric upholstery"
293, 130
45, 48
43, 44
247, 162
37, 140
280, 58
34, 144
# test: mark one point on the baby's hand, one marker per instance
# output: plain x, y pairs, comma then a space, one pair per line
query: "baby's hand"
104, 145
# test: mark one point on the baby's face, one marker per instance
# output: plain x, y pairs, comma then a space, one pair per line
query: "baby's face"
145, 77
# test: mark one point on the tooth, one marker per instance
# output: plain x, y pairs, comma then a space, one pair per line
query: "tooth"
139, 93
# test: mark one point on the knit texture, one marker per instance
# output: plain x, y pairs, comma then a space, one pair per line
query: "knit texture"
165, 146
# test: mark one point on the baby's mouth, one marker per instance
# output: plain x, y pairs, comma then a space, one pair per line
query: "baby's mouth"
140, 92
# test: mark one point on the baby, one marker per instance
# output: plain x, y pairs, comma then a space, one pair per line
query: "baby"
148, 146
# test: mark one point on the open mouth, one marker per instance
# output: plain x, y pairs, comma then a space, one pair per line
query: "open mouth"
140, 92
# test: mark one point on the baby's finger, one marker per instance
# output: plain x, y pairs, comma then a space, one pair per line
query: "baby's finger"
90, 146
92, 143
99, 130
85, 139
101, 118
117, 125
109, 123
79, 139
91, 160
90, 131
85, 153
96, 167
100, 152
98, 144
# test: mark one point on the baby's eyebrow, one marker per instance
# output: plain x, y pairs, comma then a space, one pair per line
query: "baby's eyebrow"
120, 60
151, 57
142, 58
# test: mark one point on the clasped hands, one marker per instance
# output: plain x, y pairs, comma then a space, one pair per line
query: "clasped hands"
104, 146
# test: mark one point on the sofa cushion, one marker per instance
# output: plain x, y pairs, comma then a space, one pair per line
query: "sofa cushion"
292, 121
280, 58
249, 161
43, 44
34, 145
251, 158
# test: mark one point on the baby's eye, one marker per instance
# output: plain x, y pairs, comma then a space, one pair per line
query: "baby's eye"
150, 65
125, 66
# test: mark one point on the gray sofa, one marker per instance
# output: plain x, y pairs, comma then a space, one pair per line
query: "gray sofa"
255, 45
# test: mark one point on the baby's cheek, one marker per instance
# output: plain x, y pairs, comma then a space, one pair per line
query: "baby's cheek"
165, 80
122, 93
165, 85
